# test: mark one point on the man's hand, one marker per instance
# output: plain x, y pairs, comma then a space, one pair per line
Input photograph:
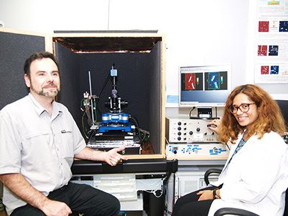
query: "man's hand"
113, 157
205, 195
55, 208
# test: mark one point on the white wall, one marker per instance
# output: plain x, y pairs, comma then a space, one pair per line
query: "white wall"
197, 32
46, 16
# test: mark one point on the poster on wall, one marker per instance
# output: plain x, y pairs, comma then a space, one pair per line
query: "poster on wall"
271, 65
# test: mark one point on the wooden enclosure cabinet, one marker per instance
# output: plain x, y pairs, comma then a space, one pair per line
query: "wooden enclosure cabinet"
139, 58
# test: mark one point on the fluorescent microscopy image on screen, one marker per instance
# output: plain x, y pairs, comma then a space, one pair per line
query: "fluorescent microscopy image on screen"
192, 81
216, 80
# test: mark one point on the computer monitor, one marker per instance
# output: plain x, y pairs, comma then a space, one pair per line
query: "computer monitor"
207, 85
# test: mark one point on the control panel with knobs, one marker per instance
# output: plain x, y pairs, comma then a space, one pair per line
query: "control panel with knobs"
189, 130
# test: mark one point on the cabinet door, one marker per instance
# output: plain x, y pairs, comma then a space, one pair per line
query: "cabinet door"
15, 47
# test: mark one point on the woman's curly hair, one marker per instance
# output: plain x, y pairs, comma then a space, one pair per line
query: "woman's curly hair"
269, 115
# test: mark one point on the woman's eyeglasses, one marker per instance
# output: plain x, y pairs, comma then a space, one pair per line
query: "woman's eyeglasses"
244, 107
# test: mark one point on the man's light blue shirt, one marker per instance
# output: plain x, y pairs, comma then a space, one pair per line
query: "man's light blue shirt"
37, 145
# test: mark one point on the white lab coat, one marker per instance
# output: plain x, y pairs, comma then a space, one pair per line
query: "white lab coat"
256, 178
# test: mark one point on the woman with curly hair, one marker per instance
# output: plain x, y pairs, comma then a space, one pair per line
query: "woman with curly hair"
255, 175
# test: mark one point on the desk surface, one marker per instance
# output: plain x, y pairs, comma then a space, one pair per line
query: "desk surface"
84, 167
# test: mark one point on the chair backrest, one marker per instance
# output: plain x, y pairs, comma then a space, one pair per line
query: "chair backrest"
286, 204
1, 195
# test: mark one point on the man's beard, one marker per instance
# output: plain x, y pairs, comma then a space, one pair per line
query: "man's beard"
51, 93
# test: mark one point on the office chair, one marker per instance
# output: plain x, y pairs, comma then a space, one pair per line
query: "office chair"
2, 208
236, 211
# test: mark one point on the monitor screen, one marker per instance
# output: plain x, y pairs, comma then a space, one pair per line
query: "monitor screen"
204, 85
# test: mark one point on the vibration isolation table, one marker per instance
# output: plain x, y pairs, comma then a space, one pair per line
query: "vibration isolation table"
139, 184
151, 166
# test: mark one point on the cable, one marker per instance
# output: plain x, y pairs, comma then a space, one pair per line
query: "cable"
99, 97
106, 81
83, 126
167, 141
227, 146
191, 112
142, 134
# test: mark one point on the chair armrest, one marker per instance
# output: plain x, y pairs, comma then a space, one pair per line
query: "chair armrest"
208, 173
234, 211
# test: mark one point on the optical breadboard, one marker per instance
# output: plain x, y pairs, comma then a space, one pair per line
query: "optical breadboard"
197, 151
180, 130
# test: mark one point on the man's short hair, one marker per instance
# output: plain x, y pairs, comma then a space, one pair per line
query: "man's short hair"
35, 56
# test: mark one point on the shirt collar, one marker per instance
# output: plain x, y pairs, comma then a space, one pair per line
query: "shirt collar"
56, 109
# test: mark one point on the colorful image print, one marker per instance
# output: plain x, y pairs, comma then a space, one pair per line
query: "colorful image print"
273, 50
263, 26
264, 70
262, 50
273, 2
274, 69
283, 26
